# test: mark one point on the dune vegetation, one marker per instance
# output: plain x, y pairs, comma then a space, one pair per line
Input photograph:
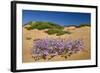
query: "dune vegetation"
52, 27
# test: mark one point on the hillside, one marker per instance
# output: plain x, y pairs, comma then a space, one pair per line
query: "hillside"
52, 28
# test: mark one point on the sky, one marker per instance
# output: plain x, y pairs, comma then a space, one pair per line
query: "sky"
61, 18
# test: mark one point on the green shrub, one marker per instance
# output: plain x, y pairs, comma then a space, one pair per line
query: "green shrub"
83, 25
52, 31
58, 32
43, 25
40, 26
62, 33
28, 28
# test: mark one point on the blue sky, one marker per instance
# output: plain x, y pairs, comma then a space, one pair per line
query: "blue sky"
61, 18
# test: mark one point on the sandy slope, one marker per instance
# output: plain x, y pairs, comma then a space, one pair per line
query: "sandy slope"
77, 33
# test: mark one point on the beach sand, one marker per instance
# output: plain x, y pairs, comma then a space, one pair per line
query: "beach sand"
76, 33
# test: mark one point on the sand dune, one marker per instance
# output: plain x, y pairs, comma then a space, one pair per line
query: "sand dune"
76, 33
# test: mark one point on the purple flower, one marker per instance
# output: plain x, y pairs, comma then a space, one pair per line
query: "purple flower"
56, 46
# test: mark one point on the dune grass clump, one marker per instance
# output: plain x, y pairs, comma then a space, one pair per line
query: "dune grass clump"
83, 25
63, 32
52, 31
28, 38
29, 28
58, 32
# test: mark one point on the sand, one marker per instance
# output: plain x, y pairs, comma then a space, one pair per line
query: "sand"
76, 33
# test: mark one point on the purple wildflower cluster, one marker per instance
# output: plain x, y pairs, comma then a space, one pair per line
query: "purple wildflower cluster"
45, 47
